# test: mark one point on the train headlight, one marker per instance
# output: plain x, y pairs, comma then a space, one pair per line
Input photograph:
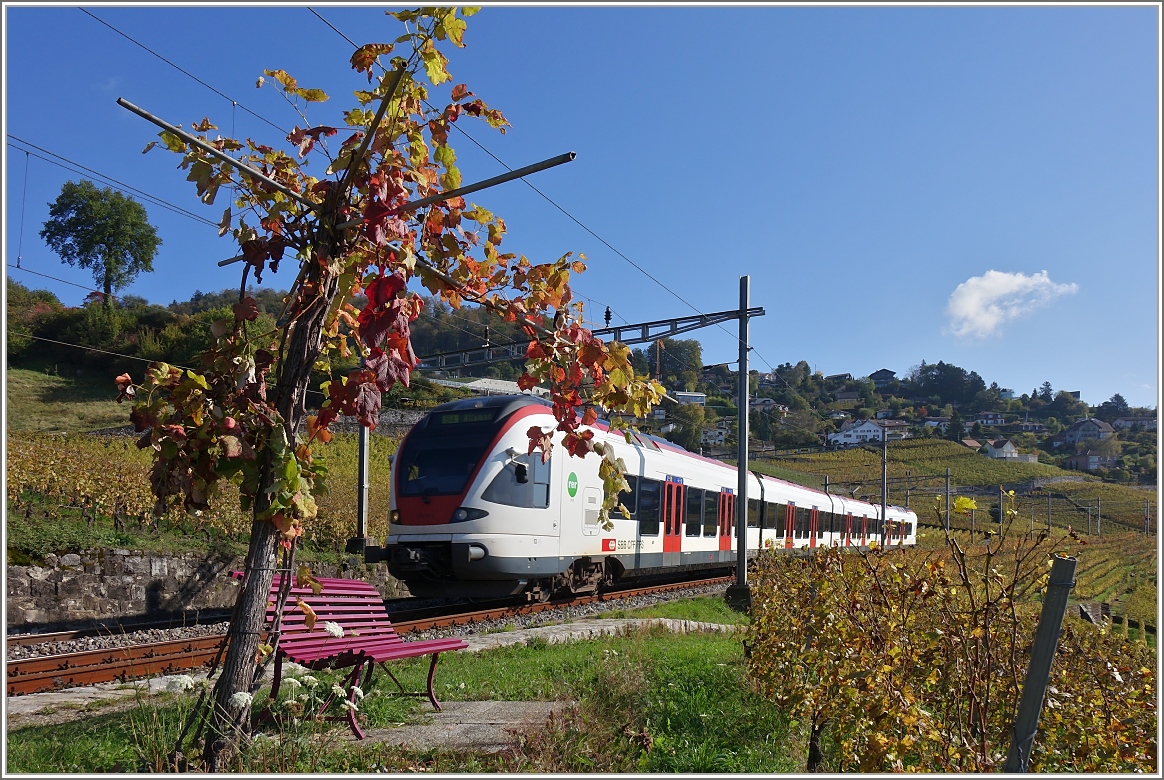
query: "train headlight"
394, 517
466, 513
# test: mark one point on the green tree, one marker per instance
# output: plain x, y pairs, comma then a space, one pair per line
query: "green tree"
690, 418
102, 230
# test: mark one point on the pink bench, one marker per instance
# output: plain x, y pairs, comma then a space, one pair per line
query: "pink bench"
368, 638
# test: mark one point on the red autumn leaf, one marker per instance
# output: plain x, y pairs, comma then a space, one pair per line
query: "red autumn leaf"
590, 416
381, 225
578, 444
383, 289
367, 404
142, 419
389, 368
246, 309
526, 382
540, 440
536, 351
317, 429
125, 387
231, 446
460, 91
366, 55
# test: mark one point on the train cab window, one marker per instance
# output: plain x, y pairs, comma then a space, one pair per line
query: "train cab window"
753, 513
628, 498
650, 497
710, 513
694, 512
512, 488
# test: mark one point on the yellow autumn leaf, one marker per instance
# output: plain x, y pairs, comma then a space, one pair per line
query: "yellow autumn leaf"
309, 613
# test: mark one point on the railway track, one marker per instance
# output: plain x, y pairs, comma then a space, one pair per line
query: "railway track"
47, 673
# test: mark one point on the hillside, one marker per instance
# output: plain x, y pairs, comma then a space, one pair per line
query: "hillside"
916, 474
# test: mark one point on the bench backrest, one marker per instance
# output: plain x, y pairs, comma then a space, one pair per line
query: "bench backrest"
356, 606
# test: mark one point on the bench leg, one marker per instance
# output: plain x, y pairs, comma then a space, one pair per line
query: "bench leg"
431, 674
352, 681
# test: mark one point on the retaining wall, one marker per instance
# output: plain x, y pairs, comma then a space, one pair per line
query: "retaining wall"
109, 583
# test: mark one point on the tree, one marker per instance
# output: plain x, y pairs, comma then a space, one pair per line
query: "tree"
361, 233
102, 230
1046, 393
955, 429
691, 419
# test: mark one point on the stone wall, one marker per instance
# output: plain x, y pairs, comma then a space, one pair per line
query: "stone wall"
119, 583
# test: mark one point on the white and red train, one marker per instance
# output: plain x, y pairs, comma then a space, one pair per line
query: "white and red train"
472, 515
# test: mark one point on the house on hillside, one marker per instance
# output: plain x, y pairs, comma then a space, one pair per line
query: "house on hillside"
1026, 426
1087, 428
882, 377
869, 430
838, 415
767, 405
1000, 449
847, 396
1124, 423
1090, 461
713, 436
941, 423
839, 378
685, 397
973, 444
989, 418
883, 414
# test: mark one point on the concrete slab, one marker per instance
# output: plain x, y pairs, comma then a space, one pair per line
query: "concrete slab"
481, 726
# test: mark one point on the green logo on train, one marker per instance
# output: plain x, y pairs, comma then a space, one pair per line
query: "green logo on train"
572, 484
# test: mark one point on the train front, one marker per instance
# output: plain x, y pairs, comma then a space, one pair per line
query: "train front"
471, 514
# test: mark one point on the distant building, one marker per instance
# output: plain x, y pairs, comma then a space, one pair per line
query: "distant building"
1006, 394
1124, 423
1026, 426
869, 430
1087, 428
839, 377
713, 436
882, 377
1001, 449
941, 423
684, 397
847, 396
1089, 461
973, 444
989, 418
883, 414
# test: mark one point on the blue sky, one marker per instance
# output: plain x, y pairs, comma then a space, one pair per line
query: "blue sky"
978, 185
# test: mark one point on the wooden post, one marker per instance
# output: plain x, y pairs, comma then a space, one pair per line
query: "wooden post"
1026, 723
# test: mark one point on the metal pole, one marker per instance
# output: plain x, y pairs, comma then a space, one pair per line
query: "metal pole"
1048, 513
1089, 519
740, 595
362, 493
1039, 672
884, 482
1099, 516
947, 500
226, 158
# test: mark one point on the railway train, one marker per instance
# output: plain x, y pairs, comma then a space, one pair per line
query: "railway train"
472, 515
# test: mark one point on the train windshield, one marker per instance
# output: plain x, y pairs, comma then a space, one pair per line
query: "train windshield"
438, 459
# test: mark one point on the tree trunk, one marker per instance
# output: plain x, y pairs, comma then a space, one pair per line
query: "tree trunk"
815, 756
227, 723
108, 301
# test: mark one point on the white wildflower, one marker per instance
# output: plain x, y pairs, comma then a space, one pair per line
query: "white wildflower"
180, 682
309, 681
347, 705
241, 699
291, 684
337, 690
335, 629
360, 694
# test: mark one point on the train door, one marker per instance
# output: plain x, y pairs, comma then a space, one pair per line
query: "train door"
789, 525
864, 530
674, 511
727, 516
849, 529
592, 497
813, 519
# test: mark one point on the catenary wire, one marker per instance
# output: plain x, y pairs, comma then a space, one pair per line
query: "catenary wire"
179, 68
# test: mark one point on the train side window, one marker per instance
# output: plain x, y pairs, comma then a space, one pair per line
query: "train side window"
822, 519
650, 495
694, 511
753, 513
532, 493
628, 497
780, 518
710, 513
770, 515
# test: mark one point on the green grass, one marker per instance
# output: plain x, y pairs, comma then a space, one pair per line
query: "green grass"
647, 702
703, 609
62, 397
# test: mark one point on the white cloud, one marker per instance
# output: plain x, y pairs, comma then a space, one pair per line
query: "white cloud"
981, 305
